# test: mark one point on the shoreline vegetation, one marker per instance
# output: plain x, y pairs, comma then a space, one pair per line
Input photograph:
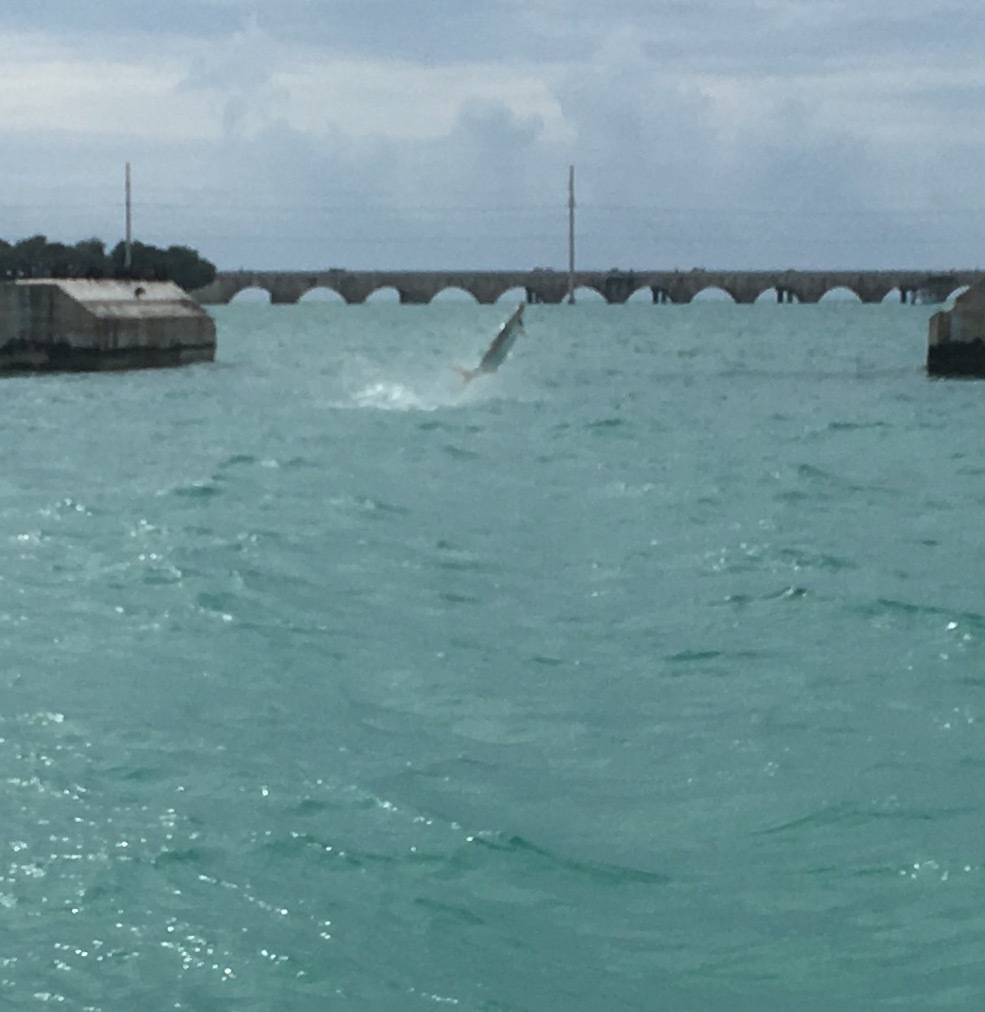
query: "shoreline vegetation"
37, 257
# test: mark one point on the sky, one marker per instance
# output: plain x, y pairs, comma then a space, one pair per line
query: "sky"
429, 134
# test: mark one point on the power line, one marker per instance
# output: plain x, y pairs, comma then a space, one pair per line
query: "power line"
659, 212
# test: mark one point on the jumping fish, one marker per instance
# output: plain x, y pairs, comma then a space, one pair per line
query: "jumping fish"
498, 350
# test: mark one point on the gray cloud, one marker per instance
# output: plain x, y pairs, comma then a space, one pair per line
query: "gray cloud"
717, 133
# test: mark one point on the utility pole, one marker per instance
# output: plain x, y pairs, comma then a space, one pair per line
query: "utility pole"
128, 243
571, 234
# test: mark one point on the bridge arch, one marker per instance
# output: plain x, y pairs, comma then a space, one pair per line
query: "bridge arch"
454, 293
321, 293
382, 294
840, 293
251, 293
515, 294
957, 292
713, 293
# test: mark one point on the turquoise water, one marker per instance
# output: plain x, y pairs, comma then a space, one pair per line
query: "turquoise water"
646, 674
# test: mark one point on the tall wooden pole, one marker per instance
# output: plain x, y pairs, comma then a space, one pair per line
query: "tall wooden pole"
571, 234
128, 245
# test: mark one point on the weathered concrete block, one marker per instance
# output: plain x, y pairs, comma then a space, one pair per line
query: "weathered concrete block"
49, 324
956, 337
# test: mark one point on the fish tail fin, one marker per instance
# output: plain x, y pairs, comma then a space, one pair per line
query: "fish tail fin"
467, 375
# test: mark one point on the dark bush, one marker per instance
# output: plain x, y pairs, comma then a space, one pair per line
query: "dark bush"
36, 257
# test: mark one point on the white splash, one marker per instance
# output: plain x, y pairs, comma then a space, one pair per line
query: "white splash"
391, 397
394, 396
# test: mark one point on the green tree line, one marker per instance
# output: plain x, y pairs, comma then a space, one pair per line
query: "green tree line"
36, 257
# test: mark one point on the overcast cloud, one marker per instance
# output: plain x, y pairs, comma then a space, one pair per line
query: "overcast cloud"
438, 133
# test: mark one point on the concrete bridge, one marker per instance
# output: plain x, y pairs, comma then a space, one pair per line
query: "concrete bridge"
615, 286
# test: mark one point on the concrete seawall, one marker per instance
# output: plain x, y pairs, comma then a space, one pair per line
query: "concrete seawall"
956, 338
77, 325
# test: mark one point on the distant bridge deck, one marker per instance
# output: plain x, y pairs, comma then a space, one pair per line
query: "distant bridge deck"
615, 286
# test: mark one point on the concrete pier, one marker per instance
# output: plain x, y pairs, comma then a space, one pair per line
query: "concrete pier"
50, 324
956, 339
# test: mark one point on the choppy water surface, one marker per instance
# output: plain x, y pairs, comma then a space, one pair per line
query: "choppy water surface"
646, 674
